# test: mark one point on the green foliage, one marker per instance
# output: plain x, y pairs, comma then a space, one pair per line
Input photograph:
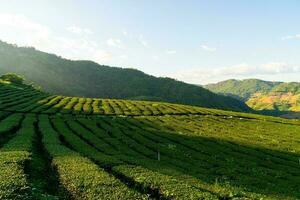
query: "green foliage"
261, 95
13, 156
30, 100
78, 175
287, 87
109, 149
13, 78
242, 89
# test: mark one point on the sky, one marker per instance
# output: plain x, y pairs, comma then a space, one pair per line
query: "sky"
196, 41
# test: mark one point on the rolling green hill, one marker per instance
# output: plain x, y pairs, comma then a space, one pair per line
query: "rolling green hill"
60, 147
242, 89
88, 79
262, 95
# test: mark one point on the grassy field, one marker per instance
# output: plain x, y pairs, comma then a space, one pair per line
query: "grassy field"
56, 147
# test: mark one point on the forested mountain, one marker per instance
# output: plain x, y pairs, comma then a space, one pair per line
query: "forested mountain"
241, 89
262, 95
89, 79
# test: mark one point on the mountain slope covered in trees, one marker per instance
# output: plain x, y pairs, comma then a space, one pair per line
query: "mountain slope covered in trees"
262, 95
89, 79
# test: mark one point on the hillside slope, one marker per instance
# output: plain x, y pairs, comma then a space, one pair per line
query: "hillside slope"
86, 78
262, 95
57, 147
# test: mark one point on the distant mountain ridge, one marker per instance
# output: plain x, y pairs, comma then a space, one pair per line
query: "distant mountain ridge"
89, 79
261, 95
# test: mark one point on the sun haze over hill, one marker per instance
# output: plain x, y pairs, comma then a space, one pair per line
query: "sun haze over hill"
89, 79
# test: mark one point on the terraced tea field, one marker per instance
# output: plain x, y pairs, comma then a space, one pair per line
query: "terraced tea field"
55, 147
27, 99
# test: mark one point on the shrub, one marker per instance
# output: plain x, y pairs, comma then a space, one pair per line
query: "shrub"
13, 78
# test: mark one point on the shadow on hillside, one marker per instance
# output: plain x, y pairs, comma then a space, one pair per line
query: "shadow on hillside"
277, 113
224, 164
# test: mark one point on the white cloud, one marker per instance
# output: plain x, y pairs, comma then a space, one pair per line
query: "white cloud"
237, 71
289, 37
143, 41
207, 48
20, 30
125, 33
124, 56
101, 56
79, 30
114, 42
278, 68
170, 52
156, 58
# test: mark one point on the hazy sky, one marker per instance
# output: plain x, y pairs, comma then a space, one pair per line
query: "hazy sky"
194, 41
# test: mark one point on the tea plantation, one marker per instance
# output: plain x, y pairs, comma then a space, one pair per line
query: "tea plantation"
57, 147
